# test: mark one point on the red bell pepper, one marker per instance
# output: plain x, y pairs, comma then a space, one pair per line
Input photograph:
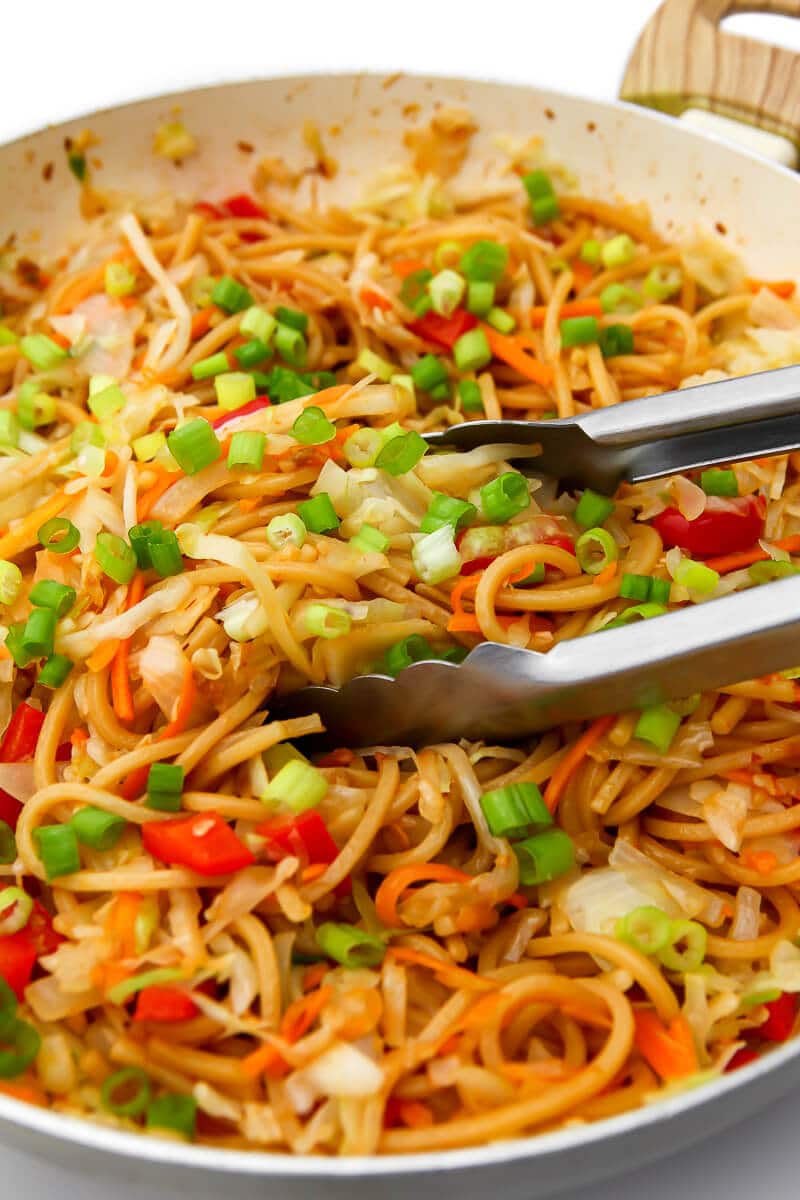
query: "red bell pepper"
243, 205
245, 411
40, 932
780, 1022
718, 530
10, 808
741, 1058
17, 959
164, 1004
204, 843
22, 734
306, 836
444, 331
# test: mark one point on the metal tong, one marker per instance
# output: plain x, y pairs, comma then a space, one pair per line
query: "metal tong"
502, 692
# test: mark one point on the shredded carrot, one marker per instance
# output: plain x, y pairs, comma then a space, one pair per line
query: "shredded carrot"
183, 709
314, 975
99, 659
514, 352
784, 288
60, 340
473, 917
267, 1059
201, 321
121, 697
458, 978
669, 1050
27, 1092
363, 1022
403, 267
147, 500
313, 871
570, 762
79, 736
248, 506
590, 307
297, 1020
121, 924
463, 623
582, 273
606, 575
111, 464
763, 861
395, 883
26, 532
734, 562
415, 1114
107, 975
88, 283
375, 299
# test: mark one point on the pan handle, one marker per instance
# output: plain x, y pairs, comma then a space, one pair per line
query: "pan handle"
683, 60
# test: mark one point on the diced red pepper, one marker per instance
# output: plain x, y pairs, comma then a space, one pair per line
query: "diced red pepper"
17, 959
22, 734
245, 411
204, 843
243, 205
391, 1113
337, 758
207, 209
40, 932
444, 331
780, 1022
305, 836
64, 752
741, 1058
718, 530
375, 299
10, 808
164, 1004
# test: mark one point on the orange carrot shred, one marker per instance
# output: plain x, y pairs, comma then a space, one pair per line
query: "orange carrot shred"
447, 973
395, 883
570, 762
606, 575
148, 499
415, 1114
121, 697
669, 1050
734, 562
763, 861
784, 288
99, 659
514, 352
591, 307
314, 975
201, 321
402, 267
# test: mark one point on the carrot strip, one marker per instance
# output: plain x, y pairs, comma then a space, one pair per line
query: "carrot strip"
513, 351
147, 500
303, 1012
314, 975
784, 288
267, 1059
669, 1050
582, 273
395, 883
99, 659
26, 533
591, 307
607, 574
88, 283
183, 709
201, 321
313, 871
121, 924
402, 267
734, 562
26, 1092
121, 697
362, 1023
572, 760
415, 1114
458, 978
763, 861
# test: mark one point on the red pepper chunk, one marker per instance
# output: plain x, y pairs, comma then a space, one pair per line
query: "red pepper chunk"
780, 1022
725, 530
741, 1058
204, 843
17, 959
10, 808
22, 734
40, 932
164, 1004
444, 331
243, 205
245, 411
305, 836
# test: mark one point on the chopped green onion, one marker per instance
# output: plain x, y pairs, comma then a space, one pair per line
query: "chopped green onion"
97, 828
287, 530
230, 296
247, 449
165, 787
140, 537
55, 671
763, 572
593, 509
9, 429
58, 535
15, 645
21, 1043
58, 850
370, 540
126, 988
42, 352
86, 433
719, 483
165, 553
278, 755
414, 648
106, 401
77, 164
312, 427
373, 364
765, 997
318, 514
146, 448
637, 612
471, 351
695, 939
594, 550
500, 320
590, 252
480, 297
470, 395
234, 390
545, 209
119, 279
441, 393
116, 558
18, 906
8, 337
34, 409
258, 324
660, 590
8, 1007
363, 447
543, 200
579, 331
413, 287
435, 556
504, 497
215, 364
618, 297
662, 281
10, 581
173, 1112
194, 446
349, 946
406, 383
515, 810
536, 576
635, 587
126, 1093
298, 785
447, 254
446, 291
695, 576
48, 593
544, 856
291, 345
484, 262
615, 340
447, 510
292, 317
8, 844
401, 454
39, 633
618, 251
428, 372
251, 354
658, 726
646, 928
327, 621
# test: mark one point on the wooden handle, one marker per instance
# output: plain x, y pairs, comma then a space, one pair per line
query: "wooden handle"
683, 60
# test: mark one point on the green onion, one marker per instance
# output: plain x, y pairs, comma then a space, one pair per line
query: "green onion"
252, 353
695, 939
9, 429
42, 352
55, 671
544, 856
590, 252
215, 364
719, 483
327, 621
471, 351
447, 254
48, 593
413, 287
695, 576
8, 337
480, 297
370, 540
763, 572
298, 785
10, 581
428, 372
373, 364
14, 645
515, 810
165, 553
500, 320
116, 558
287, 530
363, 447
470, 395
441, 393
292, 317
173, 1112
126, 988
18, 906
615, 340
165, 787
618, 297
447, 510
544, 205
194, 446
39, 633
504, 497
87, 433
230, 296
140, 537
593, 509
58, 850
646, 928
23, 1044
291, 345
484, 262
446, 291
34, 409
406, 383
435, 556
119, 279
662, 281
765, 997
401, 454
635, 587
658, 726
579, 331
126, 1093
77, 164
8, 844
594, 550
618, 251
278, 755
58, 535
414, 648
8, 1007
312, 427
234, 390
107, 401
536, 576
637, 612
247, 449
349, 946
97, 828
147, 447
318, 514
258, 324
660, 590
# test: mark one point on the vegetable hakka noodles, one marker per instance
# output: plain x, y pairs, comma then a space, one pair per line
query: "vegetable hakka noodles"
213, 490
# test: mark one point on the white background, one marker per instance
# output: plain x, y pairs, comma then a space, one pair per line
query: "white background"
62, 59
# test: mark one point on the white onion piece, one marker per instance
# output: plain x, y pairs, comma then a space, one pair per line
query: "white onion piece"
746, 915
